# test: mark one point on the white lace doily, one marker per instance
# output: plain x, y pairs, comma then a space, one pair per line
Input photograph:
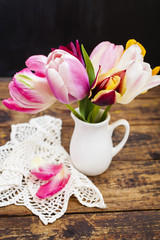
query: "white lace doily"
42, 137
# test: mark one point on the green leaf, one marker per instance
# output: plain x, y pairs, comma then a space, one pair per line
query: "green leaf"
93, 114
89, 66
85, 107
104, 115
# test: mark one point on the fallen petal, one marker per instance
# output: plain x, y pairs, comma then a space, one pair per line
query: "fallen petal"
56, 184
47, 171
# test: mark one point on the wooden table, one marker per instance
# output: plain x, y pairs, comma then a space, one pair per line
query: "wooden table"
130, 187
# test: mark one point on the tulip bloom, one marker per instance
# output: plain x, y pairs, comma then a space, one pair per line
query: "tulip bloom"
73, 50
29, 93
122, 75
56, 175
67, 77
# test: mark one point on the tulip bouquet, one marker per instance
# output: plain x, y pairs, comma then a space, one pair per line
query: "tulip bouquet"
111, 74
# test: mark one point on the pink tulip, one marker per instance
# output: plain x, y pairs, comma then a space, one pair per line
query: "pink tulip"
121, 76
29, 93
67, 77
56, 175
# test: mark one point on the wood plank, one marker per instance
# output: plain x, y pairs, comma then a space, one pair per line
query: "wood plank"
5, 79
143, 142
125, 186
4, 92
138, 112
125, 225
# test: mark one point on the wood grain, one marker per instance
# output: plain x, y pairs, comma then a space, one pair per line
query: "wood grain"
125, 186
125, 225
143, 142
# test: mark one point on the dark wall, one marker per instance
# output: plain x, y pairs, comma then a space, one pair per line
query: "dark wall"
29, 27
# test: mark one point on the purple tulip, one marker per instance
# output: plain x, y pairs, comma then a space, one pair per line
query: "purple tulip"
73, 50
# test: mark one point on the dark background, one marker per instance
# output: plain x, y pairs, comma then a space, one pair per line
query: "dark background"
29, 27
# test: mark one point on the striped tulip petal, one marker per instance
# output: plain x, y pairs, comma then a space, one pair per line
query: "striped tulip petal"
47, 171
56, 175
29, 93
55, 184
12, 105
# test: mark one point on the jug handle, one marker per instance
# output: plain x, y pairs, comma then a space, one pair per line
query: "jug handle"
121, 122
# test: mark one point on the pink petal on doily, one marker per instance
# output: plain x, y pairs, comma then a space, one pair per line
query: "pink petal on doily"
56, 184
47, 171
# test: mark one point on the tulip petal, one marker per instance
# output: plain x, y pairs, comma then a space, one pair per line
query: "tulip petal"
134, 72
104, 98
39, 96
23, 96
96, 81
133, 53
29, 93
73, 50
133, 42
79, 54
37, 63
47, 171
57, 85
10, 104
67, 77
107, 55
56, 184
75, 77
136, 78
32, 87
154, 81
156, 70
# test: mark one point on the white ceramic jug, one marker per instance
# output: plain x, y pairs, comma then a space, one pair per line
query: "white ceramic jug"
91, 147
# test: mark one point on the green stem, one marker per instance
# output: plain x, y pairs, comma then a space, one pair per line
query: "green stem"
104, 115
74, 112
95, 112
